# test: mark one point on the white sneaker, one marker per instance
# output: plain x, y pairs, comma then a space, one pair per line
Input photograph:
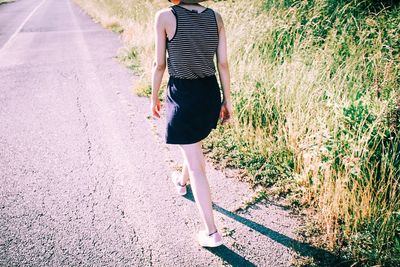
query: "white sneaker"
180, 189
206, 240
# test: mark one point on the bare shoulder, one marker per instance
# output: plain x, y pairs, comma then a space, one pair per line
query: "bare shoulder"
165, 15
219, 19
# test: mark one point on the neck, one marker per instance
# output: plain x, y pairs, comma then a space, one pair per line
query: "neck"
185, 4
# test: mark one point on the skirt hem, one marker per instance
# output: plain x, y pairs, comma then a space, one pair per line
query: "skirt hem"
186, 142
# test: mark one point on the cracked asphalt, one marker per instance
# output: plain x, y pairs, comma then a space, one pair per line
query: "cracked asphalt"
84, 171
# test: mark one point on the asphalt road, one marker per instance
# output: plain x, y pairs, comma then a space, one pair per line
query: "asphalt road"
84, 172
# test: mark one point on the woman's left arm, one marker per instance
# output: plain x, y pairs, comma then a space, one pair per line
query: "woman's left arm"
159, 64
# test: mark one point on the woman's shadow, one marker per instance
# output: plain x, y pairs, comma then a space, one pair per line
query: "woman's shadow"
320, 256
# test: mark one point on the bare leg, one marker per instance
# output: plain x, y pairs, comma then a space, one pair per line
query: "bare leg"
201, 190
185, 172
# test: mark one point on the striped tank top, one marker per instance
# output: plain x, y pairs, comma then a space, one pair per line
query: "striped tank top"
192, 49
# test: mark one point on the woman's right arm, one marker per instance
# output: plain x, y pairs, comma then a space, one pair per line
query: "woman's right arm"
159, 64
223, 70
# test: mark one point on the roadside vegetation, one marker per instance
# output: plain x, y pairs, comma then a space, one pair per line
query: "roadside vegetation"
316, 91
6, 1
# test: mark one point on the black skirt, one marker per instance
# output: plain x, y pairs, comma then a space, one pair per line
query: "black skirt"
193, 107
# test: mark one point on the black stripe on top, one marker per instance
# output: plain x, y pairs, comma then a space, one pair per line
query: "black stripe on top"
192, 49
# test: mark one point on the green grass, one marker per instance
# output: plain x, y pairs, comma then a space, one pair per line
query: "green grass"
6, 1
315, 86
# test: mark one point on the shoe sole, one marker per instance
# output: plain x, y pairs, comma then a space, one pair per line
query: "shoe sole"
181, 194
212, 246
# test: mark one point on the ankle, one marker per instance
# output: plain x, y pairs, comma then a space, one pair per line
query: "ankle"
183, 180
210, 232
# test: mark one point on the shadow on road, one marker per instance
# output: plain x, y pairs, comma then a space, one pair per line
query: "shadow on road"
320, 256
230, 256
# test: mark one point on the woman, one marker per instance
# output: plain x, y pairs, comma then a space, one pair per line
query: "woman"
192, 35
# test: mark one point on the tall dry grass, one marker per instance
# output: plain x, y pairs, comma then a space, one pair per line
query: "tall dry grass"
316, 97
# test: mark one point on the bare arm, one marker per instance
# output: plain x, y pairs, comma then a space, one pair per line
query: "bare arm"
159, 64
223, 70
222, 60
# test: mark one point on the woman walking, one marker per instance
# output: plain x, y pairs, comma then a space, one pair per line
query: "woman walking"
192, 35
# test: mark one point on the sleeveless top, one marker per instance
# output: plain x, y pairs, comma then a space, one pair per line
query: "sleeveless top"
192, 49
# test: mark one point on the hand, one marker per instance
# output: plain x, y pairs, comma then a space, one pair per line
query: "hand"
226, 111
155, 107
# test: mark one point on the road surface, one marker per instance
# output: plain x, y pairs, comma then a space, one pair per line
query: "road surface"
84, 171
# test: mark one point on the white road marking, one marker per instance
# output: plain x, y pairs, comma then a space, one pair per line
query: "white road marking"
7, 44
